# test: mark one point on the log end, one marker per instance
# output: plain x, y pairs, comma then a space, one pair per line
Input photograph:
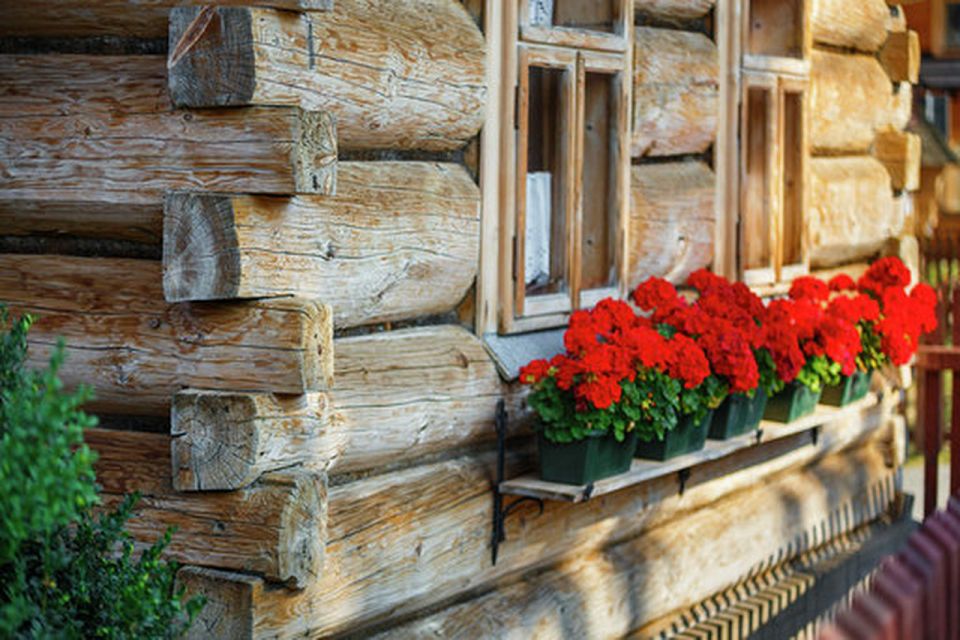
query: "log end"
211, 60
215, 440
230, 602
315, 153
318, 346
303, 524
201, 255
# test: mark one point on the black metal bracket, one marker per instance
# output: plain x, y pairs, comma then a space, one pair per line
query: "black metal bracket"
815, 435
759, 436
683, 476
501, 512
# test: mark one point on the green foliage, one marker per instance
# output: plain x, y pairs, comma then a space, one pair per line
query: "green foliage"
770, 382
872, 356
65, 573
819, 371
704, 398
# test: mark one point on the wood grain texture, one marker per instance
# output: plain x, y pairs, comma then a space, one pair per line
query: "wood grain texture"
136, 351
674, 9
227, 440
399, 240
901, 154
404, 541
404, 75
851, 98
95, 131
122, 18
675, 92
229, 597
853, 24
852, 212
672, 220
275, 528
900, 56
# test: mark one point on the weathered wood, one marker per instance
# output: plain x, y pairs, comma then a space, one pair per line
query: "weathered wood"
853, 24
275, 528
400, 542
675, 92
96, 135
399, 240
674, 566
900, 153
121, 18
136, 351
672, 220
852, 213
672, 10
900, 56
394, 74
227, 440
851, 98
230, 599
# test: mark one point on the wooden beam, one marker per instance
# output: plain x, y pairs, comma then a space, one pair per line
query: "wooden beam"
229, 597
402, 542
137, 351
103, 134
276, 527
675, 92
900, 153
394, 74
854, 24
672, 220
120, 18
900, 57
851, 98
399, 240
852, 213
228, 440
674, 10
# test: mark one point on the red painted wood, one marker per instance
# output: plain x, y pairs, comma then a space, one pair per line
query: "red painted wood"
955, 413
857, 625
930, 397
895, 585
940, 530
927, 562
883, 617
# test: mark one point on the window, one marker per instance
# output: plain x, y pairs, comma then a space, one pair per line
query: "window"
564, 189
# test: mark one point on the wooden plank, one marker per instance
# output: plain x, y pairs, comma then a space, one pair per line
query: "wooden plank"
394, 74
646, 470
673, 10
900, 153
851, 98
399, 240
900, 56
137, 351
672, 220
675, 92
929, 418
402, 542
852, 211
104, 133
121, 18
955, 408
854, 24
276, 527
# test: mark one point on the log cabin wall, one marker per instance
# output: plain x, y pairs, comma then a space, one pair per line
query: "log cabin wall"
258, 229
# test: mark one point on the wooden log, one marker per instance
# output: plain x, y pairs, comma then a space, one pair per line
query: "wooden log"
852, 213
228, 440
399, 240
675, 92
851, 98
900, 56
103, 134
229, 597
852, 24
673, 10
394, 74
136, 351
897, 20
275, 528
900, 153
672, 220
120, 18
404, 541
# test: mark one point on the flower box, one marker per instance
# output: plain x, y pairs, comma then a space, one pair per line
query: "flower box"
737, 415
850, 389
688, 436
794, 401
593, 458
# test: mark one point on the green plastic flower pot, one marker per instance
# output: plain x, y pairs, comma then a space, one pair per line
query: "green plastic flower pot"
584, 461
688, 436
738, 414
850, 389
794, 401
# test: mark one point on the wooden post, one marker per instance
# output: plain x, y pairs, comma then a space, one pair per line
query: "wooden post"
393, 74
900, 153
955, 412
930, 396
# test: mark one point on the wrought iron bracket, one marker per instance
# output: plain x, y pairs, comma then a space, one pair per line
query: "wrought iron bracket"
683, 476
815, 435
501, 512
759, 436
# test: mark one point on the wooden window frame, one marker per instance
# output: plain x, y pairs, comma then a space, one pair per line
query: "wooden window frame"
573, 37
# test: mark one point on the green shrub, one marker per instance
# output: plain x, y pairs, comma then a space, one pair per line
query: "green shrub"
64, 571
